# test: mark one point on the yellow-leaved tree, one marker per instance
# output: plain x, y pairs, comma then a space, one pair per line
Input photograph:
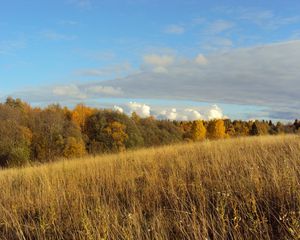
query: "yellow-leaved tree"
198, 131
80, 113
116, 131
216, 129
74, 148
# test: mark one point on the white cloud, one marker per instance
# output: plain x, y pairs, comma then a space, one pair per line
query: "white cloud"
192, 114
158, 60
179, 114
68, 91
106, 90
215, 113
168, 114
174, 29
73, 91
266, 76
201, 59
158, 63
118, 109
142, 110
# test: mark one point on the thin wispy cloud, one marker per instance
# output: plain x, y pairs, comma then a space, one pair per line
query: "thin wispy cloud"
8, 47
116, 70
267, 18
84, 4
68, 23
264, 18
219, 26
174, 29
56, 36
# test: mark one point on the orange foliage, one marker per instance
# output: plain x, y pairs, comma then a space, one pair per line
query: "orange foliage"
80, 113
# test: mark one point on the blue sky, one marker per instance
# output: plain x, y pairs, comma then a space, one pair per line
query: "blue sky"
162, 54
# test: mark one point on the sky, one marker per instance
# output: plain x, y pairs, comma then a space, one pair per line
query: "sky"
179, 59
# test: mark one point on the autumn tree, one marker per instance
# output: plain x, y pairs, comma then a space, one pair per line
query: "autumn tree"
185, 127
52, 129
135, 117
216, 129
259, 128
80, 113
241, 128
198, 131
100, 142
229, 128
15, 141
117, 134
74, 147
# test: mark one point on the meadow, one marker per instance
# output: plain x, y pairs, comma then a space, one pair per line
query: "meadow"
240, 188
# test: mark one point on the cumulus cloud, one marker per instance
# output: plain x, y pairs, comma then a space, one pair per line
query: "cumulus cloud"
179, 114
215, 113
168, 114
118, 109
141, 109
192, 114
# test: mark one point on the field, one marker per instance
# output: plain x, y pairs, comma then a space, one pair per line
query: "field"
245, 188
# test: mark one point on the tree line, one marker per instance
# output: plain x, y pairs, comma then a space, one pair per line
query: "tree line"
32, 134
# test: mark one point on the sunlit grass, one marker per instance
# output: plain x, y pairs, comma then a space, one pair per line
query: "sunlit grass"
246, 188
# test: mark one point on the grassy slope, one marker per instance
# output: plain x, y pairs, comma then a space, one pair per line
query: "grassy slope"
247, 188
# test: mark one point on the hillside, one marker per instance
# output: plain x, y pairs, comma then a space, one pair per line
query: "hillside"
245, 188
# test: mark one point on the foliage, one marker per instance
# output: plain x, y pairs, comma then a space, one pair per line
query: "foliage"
46, 134
259, 128
216, 129
15, 143
74, 148
117, 134
198, 131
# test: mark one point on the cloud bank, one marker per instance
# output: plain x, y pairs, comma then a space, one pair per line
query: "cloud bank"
181, 114
266, 76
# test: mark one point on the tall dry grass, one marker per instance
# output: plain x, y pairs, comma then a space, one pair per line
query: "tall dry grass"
247, 188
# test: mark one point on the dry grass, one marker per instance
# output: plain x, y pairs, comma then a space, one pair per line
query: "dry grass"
247, 188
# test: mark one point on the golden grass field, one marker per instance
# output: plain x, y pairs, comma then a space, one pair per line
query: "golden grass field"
245, 188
